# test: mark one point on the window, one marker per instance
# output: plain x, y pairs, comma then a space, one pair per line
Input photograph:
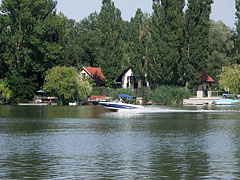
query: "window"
83, 76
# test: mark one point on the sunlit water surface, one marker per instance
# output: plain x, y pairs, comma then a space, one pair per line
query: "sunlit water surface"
86, 142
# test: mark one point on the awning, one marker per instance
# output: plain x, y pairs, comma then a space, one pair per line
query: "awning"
126, 96
41, 91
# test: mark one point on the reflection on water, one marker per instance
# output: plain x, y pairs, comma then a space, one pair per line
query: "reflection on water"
86, 142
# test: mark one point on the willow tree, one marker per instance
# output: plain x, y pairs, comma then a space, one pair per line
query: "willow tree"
168, 42
35, 38
230, 79
198, 25
64, 83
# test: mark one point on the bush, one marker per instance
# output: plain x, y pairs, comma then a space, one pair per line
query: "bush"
169, 95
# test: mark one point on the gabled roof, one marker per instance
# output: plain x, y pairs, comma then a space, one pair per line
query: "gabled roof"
95, 72
119, 79
206, 78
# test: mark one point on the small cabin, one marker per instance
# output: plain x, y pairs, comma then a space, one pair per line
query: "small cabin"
206, 82
93, 73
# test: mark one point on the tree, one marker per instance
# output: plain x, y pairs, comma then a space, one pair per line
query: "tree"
64, 83
35, 43
110, 56
220, 49
84, 42
168, 40
197, 46
237, 34
139, 43
5, 91
230, 79
3, 41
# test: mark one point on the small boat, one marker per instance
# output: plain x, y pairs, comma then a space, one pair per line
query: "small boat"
73, 103
124, 102
225, 102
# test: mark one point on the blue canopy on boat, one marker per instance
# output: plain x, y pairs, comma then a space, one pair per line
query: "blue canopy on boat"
126, 96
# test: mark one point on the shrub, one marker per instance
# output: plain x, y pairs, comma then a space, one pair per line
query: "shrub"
169, 95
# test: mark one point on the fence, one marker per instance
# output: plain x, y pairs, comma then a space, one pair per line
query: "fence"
217, 93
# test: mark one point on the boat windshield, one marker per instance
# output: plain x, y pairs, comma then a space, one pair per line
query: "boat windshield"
125, 98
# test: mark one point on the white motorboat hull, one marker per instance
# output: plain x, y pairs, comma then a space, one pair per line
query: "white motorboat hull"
115, 106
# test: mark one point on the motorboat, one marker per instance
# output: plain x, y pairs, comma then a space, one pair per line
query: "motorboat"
225, 102
125, 101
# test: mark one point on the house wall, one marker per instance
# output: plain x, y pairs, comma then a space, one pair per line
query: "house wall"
203, 86
126, 80
84, 75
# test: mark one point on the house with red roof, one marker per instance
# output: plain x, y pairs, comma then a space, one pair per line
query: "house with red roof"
206, 82
94, 73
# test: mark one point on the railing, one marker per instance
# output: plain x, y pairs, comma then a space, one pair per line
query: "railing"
217, 93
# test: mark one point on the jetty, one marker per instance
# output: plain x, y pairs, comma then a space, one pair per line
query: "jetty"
200, 100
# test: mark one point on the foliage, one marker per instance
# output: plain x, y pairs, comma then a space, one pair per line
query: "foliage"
111, 54
221, 47
169, 95
122, 91
236, 36
32, 43
139, 40
83, 42
230, 79
22, 87
64, 83
5, 91
84, 89
170, 47
197, 46
167, 36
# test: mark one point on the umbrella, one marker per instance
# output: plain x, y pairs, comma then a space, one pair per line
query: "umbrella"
41, 91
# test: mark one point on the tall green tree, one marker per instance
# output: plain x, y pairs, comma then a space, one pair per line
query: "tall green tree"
83, 42
110, 56
198, 25
35, 43
168, 42
139, 40
237, 34
221, 48
3, 41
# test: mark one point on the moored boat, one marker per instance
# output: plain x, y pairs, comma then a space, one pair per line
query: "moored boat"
225, 102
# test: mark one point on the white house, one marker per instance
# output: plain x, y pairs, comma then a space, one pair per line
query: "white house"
128, 80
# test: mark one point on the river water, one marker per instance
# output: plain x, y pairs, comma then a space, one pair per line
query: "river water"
86, 142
